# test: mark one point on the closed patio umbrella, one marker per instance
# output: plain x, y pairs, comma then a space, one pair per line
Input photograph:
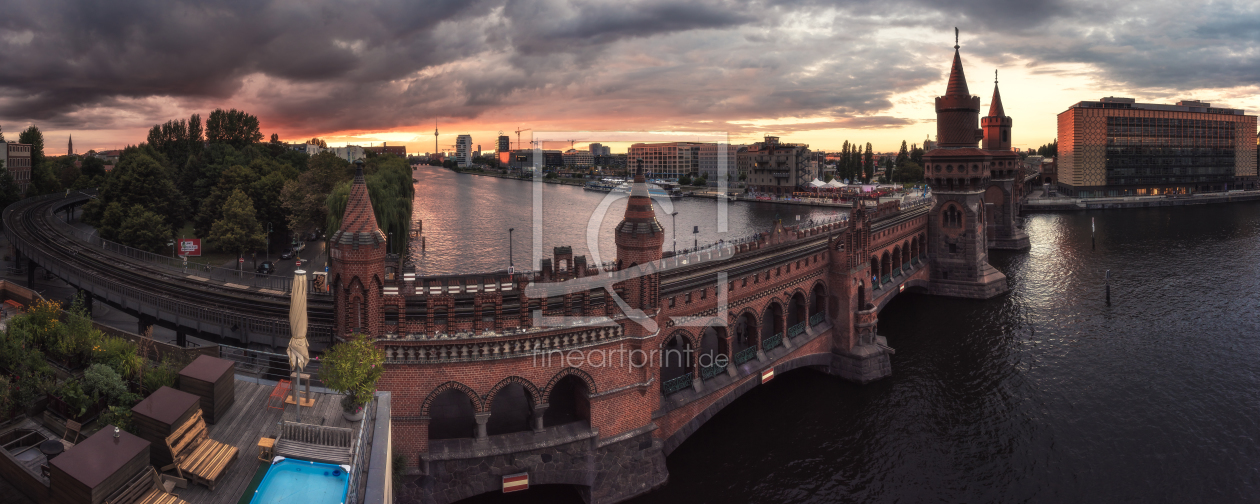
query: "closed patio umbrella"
298, 353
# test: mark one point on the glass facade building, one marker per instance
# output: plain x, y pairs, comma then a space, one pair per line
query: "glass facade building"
1117, 147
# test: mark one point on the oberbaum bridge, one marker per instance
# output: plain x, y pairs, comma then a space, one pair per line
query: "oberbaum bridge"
480, 366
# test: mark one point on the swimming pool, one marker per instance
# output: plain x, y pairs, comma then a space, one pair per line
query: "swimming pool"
291, 481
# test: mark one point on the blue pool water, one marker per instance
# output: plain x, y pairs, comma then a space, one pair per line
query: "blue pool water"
292, 481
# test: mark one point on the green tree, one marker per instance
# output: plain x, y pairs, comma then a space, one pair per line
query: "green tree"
911, 172
196, 135
232, 127
392, 194
238, 231
33, 137
2, 135
903, 155
9, 192
233, 179
145, 230
64, 169
868, 165
305, 199
138, 179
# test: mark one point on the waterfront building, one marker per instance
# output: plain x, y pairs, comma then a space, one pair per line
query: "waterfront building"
774, 167
669, 160
385, 148
1118, 147
17, 159
350, 153
574, 158
711, 161
505, 143
463, 150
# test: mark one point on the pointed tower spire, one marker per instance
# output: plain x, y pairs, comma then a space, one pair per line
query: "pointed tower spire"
995, 107
957, 81
358, 223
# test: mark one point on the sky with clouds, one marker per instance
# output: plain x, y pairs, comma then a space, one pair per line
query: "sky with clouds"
811, 71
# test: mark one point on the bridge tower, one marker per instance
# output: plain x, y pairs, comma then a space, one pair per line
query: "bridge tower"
1006, 184
959, 173
357, 264
856, 352
639, 238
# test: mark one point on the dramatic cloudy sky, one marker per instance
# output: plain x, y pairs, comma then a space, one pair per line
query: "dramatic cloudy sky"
812, 71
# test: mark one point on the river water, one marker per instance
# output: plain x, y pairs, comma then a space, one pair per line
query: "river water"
1045, 394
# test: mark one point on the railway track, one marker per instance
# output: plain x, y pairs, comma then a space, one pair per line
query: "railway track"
197, 306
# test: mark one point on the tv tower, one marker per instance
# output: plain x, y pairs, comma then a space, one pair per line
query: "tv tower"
435, 138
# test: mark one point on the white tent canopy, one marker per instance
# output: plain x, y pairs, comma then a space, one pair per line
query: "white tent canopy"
834, 183
817, 183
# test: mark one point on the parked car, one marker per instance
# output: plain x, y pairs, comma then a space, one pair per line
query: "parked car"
286, 255
266, 268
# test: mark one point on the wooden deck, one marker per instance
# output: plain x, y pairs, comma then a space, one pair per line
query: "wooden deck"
248, 420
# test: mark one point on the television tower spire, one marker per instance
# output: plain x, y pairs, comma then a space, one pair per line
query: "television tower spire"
435, 137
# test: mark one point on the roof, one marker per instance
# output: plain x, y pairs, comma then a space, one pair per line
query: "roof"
206, 368
957, 81
995, 108
358, 223
166, 405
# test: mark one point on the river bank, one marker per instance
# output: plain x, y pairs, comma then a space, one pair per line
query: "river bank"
1034, 205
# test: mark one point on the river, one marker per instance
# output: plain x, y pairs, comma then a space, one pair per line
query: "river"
1046, 394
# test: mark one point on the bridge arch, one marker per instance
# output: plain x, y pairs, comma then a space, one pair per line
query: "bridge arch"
451, 409
896, 257
772, 319
568, 398
678, 353
511, 404
818, 299
747, 333
885, 265
798, 308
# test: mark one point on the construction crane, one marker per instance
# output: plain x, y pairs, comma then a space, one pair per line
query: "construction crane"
518, 135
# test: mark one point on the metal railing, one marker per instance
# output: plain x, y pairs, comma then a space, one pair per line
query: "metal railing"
796, 330
267, 365
745, 355
772, 342
359, 460
711, 370
816, 318
677, 384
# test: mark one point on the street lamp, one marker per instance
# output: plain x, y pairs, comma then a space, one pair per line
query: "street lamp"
695, 233
674, 224
510, 263
389, 245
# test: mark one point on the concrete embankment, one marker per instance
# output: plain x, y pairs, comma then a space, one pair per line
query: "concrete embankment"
1070, 204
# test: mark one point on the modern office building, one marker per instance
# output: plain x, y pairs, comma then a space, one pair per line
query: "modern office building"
597, 149
574, 158
667, 160
505, 143
1118, 147
463, 150
711, 162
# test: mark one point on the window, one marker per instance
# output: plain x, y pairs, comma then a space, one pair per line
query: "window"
704, 293
687, 298
671, 302
953, 249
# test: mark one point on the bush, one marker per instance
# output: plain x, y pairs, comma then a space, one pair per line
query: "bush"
352, 368
118, 416
684, 180
71, 393
102, 382
161, 375
119, 354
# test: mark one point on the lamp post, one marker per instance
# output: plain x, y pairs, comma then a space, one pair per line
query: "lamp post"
390, 244
268, 241
510, 263
674, 224
695, 233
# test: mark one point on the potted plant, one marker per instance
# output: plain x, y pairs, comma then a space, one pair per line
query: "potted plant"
353, 368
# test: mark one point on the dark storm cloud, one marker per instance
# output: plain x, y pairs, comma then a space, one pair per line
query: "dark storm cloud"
328, 65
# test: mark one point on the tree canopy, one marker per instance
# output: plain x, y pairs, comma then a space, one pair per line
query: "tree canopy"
232, 127
238, 231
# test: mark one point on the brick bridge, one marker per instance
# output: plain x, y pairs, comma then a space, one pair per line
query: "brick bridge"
589, 376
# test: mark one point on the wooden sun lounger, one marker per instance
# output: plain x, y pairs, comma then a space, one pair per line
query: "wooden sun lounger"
197, 457
316, 443
146, 487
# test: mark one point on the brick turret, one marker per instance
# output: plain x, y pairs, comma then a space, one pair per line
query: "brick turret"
997, 125
357, 266
639, 239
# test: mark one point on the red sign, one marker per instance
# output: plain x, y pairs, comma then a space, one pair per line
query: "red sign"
767, 375
515, 482
190, 246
